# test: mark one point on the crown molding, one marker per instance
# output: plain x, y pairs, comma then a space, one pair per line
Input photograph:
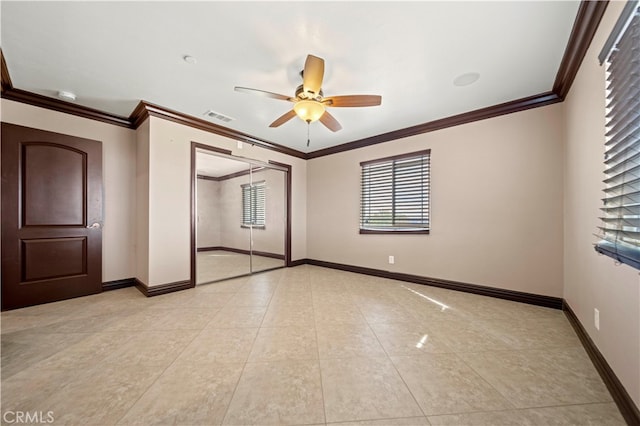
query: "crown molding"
587, 20
138, 115
535, 101
5, 78
54, 104
146, 109
584, 28
18, 95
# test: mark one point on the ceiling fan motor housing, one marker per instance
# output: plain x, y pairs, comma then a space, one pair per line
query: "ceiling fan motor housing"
301, 94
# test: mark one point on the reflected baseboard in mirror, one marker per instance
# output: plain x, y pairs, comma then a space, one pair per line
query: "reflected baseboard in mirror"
217, 265
242, 251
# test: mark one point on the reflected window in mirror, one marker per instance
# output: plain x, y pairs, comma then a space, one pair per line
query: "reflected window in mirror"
253, 205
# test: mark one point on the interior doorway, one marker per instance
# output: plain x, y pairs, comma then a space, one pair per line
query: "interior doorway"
51, 216
240, 215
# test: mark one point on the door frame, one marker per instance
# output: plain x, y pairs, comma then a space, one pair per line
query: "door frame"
194, 218
84, 283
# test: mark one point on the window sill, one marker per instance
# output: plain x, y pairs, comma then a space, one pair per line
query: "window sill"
394, 231
253, 226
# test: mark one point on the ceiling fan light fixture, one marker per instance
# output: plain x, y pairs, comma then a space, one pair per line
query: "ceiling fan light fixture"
309, 110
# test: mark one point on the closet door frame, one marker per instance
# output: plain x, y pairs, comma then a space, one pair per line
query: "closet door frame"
285, 168
287, 236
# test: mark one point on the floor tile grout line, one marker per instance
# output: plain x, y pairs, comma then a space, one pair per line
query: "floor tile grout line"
235, 388
393, 364
244, 365
159, 375
484, 379
523, 351
378, 419
313, 312
322, 394
515, 350
88, 335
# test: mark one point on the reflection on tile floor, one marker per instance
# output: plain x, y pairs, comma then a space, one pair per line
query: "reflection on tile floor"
215, 265
303, 345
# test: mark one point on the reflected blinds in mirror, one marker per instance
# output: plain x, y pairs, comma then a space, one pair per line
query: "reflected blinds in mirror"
253, 204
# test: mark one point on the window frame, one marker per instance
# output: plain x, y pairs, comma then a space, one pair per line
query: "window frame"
253, 208
620, 220
426, 187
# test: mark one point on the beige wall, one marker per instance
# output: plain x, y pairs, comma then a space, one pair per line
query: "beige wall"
118, 173
220, 213
496, 205
169, 192
271, 238
231, 234
142, 203
169, 205
593, 281
209, 211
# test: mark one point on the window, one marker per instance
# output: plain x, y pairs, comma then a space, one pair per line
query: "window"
620, 228
395, 194
253, 205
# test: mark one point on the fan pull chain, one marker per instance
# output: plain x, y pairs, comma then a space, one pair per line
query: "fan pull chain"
308, 126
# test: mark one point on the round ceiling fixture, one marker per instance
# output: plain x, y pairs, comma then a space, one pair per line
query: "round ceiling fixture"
66, 96
466, 79
189, 59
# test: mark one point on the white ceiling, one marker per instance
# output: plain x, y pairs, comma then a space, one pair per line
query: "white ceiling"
114, 54
208, 164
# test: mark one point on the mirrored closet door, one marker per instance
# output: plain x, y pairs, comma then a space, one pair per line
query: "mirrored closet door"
241, 216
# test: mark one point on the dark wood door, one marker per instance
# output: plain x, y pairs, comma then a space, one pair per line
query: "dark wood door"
51, 216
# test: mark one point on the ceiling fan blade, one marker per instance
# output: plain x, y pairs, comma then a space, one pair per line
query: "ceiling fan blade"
283, 118
312, 74
264, 93
330, 122
352, 101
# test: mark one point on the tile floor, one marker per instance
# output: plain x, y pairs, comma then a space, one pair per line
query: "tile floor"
215, 265
302, 345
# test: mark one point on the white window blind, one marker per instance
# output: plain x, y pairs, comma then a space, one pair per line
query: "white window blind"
253, 204
395, 194
620, 228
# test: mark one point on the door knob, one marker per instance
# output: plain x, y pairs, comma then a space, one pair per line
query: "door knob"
95, 225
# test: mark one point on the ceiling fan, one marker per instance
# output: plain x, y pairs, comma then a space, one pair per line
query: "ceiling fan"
309, 101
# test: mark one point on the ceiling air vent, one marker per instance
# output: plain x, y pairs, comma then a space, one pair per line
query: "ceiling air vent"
216, 115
